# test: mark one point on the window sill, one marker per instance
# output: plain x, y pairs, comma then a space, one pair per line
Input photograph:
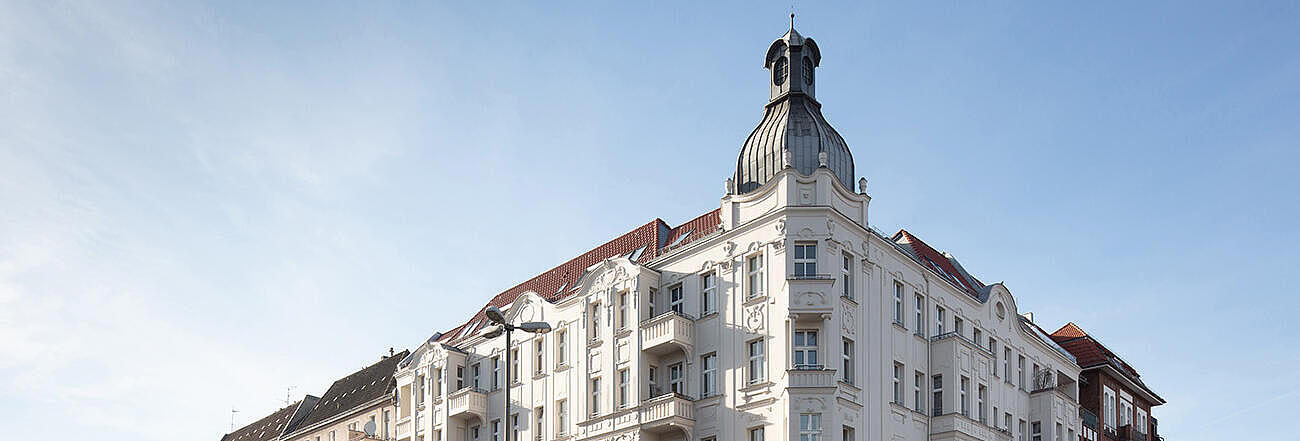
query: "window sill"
623, 332
756, 386
849, 299
901, 327
594, 342
707, 315
562, 367
921, 336
762, 298
850, 385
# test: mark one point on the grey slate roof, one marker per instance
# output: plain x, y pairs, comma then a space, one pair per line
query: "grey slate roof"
272, 426
350, 392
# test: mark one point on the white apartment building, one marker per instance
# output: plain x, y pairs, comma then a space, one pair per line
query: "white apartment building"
779, 316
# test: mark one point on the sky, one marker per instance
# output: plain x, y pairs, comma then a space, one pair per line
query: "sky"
216, 206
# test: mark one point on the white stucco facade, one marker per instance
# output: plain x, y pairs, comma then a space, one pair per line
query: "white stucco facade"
767, 357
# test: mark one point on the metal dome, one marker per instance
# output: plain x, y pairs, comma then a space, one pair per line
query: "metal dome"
793, 122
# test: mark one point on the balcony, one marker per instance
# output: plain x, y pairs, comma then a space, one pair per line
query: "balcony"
812, 296
1089, 418
811, 376
1129, 433
667, 332
668, 412
467, 403
404, 428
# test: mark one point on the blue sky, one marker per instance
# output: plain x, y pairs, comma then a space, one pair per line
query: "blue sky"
201, 205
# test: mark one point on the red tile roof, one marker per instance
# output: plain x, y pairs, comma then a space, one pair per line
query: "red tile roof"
939, 262
644, 243
1091, 352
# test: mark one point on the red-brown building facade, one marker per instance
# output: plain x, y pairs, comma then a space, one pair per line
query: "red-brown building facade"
1115, 403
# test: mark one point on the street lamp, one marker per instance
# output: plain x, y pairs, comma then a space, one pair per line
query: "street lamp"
494, 315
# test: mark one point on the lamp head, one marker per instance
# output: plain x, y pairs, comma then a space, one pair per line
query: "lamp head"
494, 314
495, 332
535, 327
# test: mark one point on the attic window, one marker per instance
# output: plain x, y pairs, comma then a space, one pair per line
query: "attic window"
635, 255
682, 237
1002, 312
562, 286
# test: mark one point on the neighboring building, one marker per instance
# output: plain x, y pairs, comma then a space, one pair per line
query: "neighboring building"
778, 316
352, 403
1113, 393
273, 426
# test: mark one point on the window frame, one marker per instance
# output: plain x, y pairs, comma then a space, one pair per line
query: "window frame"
802, 352
708, 293
754, 270
757, 350
805, 266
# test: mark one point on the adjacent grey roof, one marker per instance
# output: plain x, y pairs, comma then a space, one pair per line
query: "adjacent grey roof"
351, 392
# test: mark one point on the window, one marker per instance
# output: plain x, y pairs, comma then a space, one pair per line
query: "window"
1023, 435
847, 359
805, 350
561, 347
995, 417
977, 336
651, 300
539, 354
898, 383
388, 416
624, 377
981, 396
937, 402
562, 417
514, 427
496, 372
1006, 363
805, 259
958, 326
460, 377
847, 434
1126, 413
756, 434
496, 430
622, 310
755, 277
437, 381
965, 403
1141, 424
332, 436
473, 372
757, 361
1108, 407
810, 427
676, 383
993, 349
675, 299
1020, 370
1058, 432
920, 312
539, 415
898, 303
709, 375
1006, 421
1037, 428
595, 396
594, 321
651, 378
473, 432
938, 320
917, 401
846, 277
708, 292
514, 364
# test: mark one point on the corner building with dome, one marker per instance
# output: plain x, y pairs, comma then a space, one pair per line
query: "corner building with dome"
780, 315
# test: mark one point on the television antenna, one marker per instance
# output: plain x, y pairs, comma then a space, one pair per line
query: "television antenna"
288, 391
232, 418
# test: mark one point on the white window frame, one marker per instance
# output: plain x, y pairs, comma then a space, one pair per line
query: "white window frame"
708, 375
539, 421
676, 299
708, 293
938, 320
804, 264
593, 322
920, 315
898, 383
622, 310
677, 378
898, 303
756, 434
624, 378
846, 358
757, 349
803, 352
496, 372
594, 405
754, 272
539, 356
918, 397
846, 276
810, 427
562, 417
561, 350
964, 390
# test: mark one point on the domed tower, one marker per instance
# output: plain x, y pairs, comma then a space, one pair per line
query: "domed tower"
793, 132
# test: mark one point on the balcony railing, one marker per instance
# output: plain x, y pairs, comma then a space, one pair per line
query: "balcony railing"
467, 401
667, 331
1089, 418
797, 276
954, 334
811, 376
667, 410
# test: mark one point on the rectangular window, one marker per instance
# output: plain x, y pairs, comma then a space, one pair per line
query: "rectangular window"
757, 361
848, 434
595, 397
846, 277
561, 347
387, 418
651, 300
708, 294
594, 322
958, 326
496, 372
810, 427
756, 434
976, 336
805, 350
805, 259
898, 383
437, 381
919, 321
709, 375
624, 377
938, 320
898, 303
1059, 432
539, 422
1024, 436
473, 373
1037, 428
562, 417
847, 361
496, 430
755, 276
1006, 421
652, 378
918, 402
473, 432
676, 381
965, 390
539, 356
460, 377
676, 299
937, 402
514, 427
622, 310
514, 364
993, 349
1020, 371
1006, 363
981, 396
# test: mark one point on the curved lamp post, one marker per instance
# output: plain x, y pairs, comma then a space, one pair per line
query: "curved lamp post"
494, 315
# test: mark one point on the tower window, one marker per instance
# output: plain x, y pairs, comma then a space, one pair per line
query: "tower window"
780, 71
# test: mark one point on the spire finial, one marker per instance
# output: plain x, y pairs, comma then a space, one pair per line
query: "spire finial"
791, 20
